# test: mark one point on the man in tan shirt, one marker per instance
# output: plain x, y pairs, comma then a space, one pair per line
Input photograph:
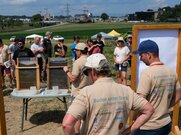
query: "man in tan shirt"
105, 105
79, 80
160, 86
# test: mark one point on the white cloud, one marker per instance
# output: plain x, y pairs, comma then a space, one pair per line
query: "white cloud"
18, 2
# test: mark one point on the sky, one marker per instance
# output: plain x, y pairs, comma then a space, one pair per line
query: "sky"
96, 7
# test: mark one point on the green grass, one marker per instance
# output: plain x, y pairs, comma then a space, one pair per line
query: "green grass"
85, 30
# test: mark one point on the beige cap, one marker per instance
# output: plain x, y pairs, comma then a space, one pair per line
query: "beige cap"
120, 39
129, 36
81, 46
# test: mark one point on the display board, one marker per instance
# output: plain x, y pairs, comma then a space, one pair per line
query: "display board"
168, 38
27, 73
55, 73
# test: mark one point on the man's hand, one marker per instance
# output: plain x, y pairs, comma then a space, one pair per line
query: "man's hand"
65, 68
127, 131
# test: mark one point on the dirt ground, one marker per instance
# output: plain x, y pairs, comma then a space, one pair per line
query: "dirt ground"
44, 116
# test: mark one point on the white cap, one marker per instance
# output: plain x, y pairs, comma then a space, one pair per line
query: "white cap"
60, 38
81, 46
48, 33
129, 36
120, 39
94, 60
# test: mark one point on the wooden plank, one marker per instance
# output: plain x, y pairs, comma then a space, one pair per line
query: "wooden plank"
133, 67
134, 58
177, 131
2, 113
157, 26
176, 107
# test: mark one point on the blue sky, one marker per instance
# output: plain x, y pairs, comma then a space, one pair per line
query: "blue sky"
58, 7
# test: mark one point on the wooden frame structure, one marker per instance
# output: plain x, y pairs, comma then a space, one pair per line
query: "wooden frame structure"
27, 75
55, 73
2, 113
136, 29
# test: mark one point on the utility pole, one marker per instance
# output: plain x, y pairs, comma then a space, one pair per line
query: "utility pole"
67, 9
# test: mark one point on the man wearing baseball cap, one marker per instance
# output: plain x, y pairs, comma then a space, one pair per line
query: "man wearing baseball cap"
160, 86
105, 105
79, 80
60, 49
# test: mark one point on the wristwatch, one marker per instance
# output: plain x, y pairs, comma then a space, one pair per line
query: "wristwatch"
67, 71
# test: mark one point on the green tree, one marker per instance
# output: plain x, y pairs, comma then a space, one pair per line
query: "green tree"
36, 18
104, 16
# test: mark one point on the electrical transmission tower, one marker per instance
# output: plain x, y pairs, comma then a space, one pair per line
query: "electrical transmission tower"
67, 9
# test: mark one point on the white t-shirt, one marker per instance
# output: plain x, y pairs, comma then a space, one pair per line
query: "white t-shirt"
37, 47
121, 53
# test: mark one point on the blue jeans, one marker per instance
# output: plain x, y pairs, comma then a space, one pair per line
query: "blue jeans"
161, 131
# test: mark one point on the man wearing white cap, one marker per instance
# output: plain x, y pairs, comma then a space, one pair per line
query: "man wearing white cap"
60, 49
79, 80
121, 55
105, 105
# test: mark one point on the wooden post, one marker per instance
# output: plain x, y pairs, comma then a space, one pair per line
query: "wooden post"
37, 75
2, 113
177, 106
48, 73
17, 75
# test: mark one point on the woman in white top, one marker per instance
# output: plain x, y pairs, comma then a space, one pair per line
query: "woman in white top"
121, 55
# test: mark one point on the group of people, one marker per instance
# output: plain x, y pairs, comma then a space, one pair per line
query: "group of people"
99, 104
41, 49
102, 106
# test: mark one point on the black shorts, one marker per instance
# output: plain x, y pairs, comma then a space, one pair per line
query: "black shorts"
122, 68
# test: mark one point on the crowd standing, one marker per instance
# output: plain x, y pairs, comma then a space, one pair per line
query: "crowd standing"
102, 104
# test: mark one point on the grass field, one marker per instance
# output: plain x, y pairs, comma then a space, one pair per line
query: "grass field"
85, 30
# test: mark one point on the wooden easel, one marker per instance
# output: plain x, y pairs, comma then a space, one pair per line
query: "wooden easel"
2, 113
